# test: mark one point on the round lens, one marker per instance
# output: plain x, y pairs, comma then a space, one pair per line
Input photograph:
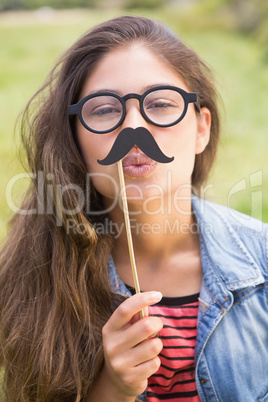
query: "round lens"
164, 106
102, 112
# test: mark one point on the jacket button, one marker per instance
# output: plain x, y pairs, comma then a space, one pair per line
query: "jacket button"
203, 380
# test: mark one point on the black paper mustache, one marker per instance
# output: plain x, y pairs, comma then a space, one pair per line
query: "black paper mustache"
127, 139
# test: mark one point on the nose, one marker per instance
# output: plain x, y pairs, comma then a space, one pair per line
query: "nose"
133, 117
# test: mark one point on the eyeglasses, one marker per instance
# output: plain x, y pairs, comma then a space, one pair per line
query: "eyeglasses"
162, 106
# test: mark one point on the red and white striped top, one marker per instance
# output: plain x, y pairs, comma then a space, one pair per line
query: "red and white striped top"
175, 379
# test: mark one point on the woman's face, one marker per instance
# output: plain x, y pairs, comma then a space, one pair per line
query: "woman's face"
134, 70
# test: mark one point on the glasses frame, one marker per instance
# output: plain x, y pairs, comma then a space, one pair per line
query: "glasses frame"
189, 97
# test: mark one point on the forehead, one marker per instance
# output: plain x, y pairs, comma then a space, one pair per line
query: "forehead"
131, 69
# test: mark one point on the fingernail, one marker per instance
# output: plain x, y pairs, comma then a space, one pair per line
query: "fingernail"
157, 296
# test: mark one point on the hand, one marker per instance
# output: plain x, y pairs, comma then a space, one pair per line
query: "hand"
130, 346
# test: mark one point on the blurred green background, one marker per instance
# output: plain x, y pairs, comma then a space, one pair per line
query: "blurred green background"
231, 36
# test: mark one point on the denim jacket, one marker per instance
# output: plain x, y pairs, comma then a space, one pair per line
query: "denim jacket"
231, 355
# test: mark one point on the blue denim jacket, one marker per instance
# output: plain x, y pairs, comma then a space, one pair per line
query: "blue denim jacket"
231, 355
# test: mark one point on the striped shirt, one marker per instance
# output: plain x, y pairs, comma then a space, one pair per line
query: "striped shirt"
175, 379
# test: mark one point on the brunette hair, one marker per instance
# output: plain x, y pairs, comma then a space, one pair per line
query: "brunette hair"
55, 293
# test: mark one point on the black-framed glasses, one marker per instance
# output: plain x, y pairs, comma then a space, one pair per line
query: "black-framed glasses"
162, 106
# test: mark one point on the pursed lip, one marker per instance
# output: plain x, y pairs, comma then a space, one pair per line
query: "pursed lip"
137, 159
138, 165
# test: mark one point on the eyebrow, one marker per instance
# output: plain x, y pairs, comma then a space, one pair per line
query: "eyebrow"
118, 92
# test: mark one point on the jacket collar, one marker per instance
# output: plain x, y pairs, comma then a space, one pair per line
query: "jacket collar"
117, 285
225, 259
222, 249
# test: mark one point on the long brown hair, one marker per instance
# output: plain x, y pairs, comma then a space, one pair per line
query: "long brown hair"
55, 293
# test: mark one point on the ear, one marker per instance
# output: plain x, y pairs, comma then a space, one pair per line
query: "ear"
203, 130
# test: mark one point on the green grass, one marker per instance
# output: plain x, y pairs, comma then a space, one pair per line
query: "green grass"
28, 50
242, 79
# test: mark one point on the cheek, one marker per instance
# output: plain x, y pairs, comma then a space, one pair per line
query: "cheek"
182, 146
105, 184
103, 178
90, 147
183, 142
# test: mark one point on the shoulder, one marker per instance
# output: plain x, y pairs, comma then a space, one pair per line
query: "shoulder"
216, 214
232, 233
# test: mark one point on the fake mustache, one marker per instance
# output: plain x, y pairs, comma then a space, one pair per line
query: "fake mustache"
127, 139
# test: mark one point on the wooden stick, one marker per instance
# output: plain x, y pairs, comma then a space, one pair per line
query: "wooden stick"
128, 230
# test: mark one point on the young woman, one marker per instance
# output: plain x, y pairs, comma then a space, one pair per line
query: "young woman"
70, 328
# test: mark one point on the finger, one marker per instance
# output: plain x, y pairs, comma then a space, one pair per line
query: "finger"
147, 350
124, 313
119, 344
141, 330
148, 368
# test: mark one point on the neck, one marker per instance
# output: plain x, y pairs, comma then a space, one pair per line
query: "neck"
156, 230
166, 248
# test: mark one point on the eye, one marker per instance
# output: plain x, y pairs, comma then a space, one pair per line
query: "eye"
164, 101
161, 104
105, 110
102, 107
